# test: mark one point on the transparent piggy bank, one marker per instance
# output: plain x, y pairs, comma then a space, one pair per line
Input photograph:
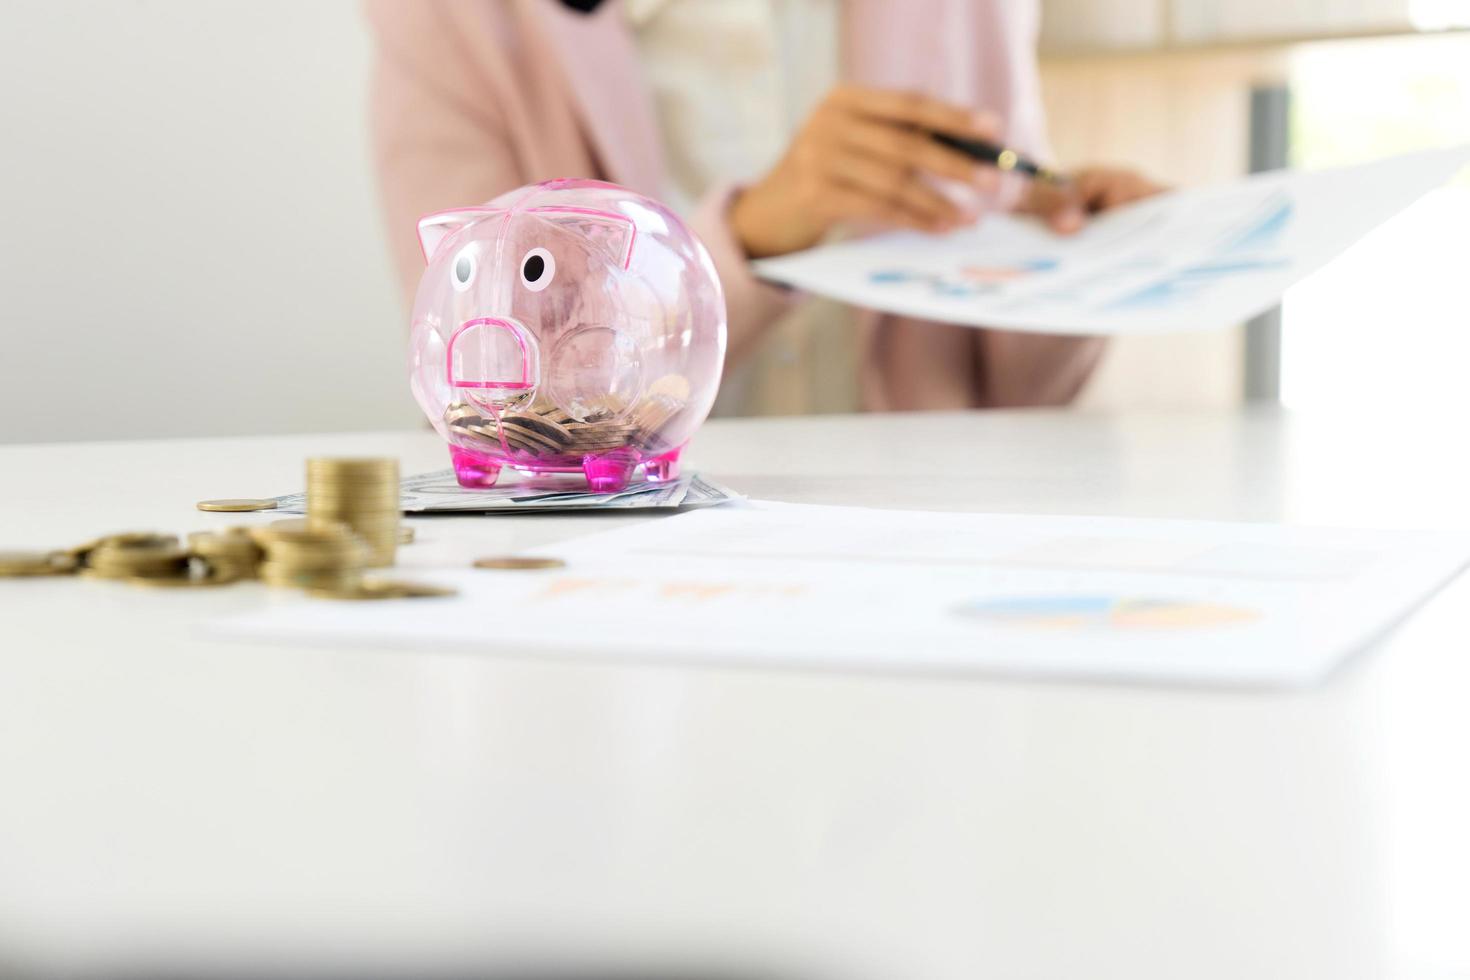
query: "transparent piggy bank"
571, 326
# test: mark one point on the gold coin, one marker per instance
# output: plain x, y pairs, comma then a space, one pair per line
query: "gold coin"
272, 573
225, 538
301, 544
82, 553
291, 525
236, 505
134, 539
519, 563
352, 464
308, 532
376, 588
128, 561
405, 534
177, 582
23, 564
196, 575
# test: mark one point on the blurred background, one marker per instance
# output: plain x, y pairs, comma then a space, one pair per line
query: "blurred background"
193, 244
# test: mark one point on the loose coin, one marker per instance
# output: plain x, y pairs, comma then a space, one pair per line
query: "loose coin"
82, 553
236, 505
20, 564
136, 539
519, 563
130, 561
198, 573
377, 588
303, 531
230, 554
286, 576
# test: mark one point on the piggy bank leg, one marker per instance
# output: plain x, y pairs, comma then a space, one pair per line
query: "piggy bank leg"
474, 470
608, 473
661, 469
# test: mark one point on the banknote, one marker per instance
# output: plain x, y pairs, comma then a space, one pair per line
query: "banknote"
439, 492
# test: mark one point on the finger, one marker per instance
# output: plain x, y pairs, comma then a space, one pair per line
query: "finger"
1087, 191
906, 148
1102, 190
846, 202
916, 109
1098, 190
899, 185
1135, 188
1061, 206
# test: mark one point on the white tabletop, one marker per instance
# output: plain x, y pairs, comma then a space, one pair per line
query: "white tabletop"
160, 788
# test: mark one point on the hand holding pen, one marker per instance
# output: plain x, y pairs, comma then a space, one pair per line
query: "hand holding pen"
867, 155
1066, 205
863, 155
1062, 200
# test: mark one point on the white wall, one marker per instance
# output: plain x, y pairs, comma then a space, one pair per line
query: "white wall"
191, 241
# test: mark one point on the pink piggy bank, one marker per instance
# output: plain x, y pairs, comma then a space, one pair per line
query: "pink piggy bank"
569, 326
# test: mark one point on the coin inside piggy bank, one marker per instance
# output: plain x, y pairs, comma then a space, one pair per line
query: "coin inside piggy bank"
571, 326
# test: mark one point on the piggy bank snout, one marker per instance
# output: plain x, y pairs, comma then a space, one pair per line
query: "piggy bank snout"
492, 357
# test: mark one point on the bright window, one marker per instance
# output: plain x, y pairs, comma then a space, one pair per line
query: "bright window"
1389, 321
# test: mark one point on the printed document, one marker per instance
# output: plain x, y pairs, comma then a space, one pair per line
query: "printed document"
852, 588
1194, 259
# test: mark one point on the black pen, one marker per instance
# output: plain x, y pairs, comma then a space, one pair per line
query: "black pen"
1002, 157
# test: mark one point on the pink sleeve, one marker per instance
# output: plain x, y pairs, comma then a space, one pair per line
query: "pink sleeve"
433, 148
750, 304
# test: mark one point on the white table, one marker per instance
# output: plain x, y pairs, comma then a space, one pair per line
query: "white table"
157, 786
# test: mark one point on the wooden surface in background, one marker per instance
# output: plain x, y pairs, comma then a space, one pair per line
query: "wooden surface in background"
1184, 118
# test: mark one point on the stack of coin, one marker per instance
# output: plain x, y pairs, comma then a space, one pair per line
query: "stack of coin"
361, 494
323, 556
138, 556
231, 554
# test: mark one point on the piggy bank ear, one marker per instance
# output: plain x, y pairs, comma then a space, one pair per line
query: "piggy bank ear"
608, 233
434, 228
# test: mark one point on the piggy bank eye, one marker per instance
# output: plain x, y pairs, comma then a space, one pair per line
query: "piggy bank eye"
538, 268
462, 273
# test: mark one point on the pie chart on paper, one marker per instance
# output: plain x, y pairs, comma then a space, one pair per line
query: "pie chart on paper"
1104, 613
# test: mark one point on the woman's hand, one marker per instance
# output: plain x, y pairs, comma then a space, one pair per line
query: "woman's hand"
1065, 206
862, 154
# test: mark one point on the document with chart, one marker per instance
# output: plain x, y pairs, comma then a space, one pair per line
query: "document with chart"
1194, 259
851, 588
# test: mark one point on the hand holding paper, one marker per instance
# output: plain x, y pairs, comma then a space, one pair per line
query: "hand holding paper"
1066, 205
1196, 259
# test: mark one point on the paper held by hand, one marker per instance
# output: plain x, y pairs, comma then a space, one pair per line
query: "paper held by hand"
1196, 259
